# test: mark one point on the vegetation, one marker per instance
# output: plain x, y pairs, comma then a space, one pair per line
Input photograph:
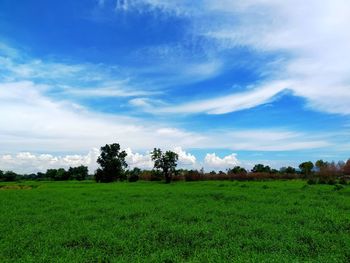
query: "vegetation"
270, 221
254, 216
113, 167
166, 162
112, 162
74, 173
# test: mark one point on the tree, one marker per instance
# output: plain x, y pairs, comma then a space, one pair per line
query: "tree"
166, 162
260, 168
320, 164
78, 173
288, 170
306, 167
112, 164
8, 176
57, 174
237, 170
134, 174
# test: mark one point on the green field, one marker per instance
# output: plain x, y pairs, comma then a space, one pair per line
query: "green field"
274, 221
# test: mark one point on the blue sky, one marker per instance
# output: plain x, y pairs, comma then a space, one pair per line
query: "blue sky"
223, 83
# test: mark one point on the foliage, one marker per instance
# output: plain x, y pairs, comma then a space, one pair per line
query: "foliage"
167, 162
192, 175
112, 164
8, 176
237, 170
288, 170
78, 173
134, 174
306, 168
260, 168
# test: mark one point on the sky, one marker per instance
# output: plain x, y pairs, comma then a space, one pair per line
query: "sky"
220, 82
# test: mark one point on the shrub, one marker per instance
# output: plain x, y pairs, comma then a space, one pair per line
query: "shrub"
193, 175
338, 187
343, 181
134, 175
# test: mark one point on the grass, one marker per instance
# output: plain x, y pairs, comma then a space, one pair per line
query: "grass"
274, 221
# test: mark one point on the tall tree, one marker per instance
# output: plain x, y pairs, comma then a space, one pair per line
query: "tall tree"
167, 162
306, 168
112, 164
320, 165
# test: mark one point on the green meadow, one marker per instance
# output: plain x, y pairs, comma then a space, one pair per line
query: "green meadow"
213, 221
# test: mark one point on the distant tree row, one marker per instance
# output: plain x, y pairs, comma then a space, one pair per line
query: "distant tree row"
113, 167
73, 173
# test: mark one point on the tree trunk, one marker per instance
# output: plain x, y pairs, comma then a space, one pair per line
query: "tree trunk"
167, 178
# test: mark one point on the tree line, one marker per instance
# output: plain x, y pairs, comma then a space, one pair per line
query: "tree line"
113, 167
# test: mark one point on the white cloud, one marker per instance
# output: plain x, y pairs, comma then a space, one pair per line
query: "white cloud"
212, 161
229, 103
312, 36
34, 123
139, 160
185, 159
112, 89
26, 162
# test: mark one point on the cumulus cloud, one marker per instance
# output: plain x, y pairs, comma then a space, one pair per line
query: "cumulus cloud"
26, 162
139, 160
185, 159
144, 161
212, 161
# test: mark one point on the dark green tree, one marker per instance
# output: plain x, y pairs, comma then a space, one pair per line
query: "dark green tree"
8, 176
112, 164
288, 170
78, 173
237, 170
306, 168
260, 168
57, 174
167, 162
320, 165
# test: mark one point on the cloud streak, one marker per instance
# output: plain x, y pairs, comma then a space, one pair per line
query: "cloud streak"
312, 37
229, 103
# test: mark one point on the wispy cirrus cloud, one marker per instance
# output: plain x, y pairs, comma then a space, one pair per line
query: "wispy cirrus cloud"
232, 102
312, 37
33, 121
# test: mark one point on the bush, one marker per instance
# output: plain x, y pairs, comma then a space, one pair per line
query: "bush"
312, 181
343, 181
134, 175
192, 175
338, 187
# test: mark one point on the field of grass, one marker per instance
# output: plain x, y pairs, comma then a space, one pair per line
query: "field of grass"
275, 221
